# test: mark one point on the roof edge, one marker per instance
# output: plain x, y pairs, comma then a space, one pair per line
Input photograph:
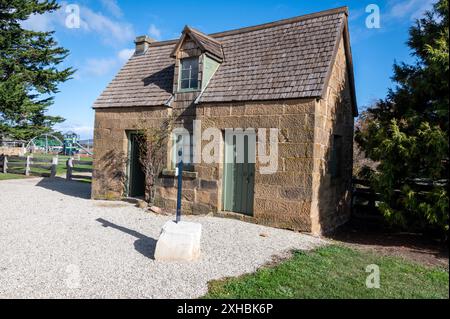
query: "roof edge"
343, 34
281, 22
343, 9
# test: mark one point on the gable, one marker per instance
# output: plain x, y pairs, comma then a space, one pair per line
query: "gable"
193, 38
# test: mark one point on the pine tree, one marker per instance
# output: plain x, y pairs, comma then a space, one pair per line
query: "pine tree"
29, 76
408, 130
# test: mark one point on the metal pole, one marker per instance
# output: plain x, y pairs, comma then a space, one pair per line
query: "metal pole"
180, 184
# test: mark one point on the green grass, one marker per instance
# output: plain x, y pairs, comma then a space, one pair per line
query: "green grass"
335, 272
4, 177
60, 169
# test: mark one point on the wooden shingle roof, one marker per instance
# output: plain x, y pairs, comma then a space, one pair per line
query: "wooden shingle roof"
205, 43
285, 59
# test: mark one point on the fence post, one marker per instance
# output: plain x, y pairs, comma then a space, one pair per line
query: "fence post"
27, 167
54, 167
69, 166
5, 164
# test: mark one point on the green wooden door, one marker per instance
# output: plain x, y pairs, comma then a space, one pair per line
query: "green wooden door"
136, 176
239, 178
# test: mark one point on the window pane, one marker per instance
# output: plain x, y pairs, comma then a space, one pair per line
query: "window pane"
190, 63
185, 74
185, 84
194, 84
189, 73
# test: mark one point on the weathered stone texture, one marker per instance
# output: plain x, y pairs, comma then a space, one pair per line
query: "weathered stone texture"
111, 146
333, 116
280, 198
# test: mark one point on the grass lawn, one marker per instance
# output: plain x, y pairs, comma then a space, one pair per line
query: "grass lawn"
335, 272
60, 169
4, 177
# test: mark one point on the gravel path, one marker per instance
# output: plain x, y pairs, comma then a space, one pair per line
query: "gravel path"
56, 243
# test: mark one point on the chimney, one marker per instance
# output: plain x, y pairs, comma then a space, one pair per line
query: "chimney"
142, 44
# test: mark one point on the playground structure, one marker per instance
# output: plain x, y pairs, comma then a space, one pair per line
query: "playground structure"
45, 143
50, 144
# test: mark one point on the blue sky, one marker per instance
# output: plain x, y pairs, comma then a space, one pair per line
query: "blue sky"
104, 40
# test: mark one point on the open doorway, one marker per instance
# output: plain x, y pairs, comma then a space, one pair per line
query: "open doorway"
136, 175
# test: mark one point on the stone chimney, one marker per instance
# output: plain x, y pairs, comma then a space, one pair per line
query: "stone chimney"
142, 44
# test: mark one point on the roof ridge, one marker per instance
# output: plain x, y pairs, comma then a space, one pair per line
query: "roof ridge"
343, 9
203, 34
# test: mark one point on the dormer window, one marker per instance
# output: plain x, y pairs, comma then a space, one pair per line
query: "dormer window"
197, 57
189, 74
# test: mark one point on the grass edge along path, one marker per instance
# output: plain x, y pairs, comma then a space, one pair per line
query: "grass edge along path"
335, 272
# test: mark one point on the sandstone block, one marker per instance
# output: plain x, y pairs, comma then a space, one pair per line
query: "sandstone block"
179, 242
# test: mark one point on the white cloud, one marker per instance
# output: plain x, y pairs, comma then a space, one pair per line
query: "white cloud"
38, 22
112, 31
125, 54
85, 131
45, 22
99, 67
113, 7
154, 32
411, 9
96, 67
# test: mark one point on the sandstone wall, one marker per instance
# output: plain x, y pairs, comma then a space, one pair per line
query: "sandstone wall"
111, 146
333, 116
282, 199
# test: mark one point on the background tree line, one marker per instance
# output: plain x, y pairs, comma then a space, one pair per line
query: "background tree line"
406, 134
29, 73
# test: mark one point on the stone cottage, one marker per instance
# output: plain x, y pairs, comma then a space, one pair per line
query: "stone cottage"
293, 77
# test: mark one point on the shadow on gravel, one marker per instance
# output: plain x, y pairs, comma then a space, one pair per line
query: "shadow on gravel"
144, 245
69, 188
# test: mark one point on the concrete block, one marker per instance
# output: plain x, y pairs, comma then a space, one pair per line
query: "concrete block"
179, 242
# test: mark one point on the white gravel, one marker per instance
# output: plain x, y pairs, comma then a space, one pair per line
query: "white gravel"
53, 244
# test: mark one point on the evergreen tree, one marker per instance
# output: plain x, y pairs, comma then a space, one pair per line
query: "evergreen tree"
408, 130
29, 76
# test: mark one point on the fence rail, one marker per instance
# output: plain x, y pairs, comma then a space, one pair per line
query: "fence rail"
24, 164
72, 170
365, 199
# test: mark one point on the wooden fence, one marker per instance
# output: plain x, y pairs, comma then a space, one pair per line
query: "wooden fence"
365, 199
73, 169
24, 165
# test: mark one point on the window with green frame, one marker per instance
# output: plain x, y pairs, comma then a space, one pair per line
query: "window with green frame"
188, 74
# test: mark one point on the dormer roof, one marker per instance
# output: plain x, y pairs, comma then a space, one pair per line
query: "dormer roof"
205, 43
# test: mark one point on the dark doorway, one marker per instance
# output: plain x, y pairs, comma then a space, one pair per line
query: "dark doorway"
136, 176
